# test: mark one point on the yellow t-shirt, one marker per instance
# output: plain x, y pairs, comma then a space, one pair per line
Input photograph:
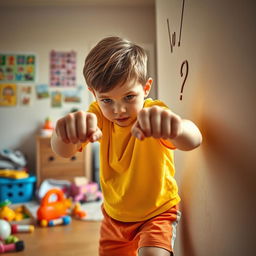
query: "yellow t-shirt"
137, 177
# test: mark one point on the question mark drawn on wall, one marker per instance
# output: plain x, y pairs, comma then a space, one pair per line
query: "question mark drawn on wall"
184, 63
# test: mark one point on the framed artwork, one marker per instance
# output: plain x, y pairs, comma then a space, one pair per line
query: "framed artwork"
56, 99
25, 95
62, 69
17, 68
8, 94
42, 91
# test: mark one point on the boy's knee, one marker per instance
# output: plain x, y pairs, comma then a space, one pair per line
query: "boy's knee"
154, 251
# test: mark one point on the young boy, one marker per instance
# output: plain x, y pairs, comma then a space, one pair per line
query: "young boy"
137, 138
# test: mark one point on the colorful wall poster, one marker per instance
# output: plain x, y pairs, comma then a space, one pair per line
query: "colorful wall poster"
71, 97
62, 68
17, 67
56, 99
8, 94
25, 94
42, 91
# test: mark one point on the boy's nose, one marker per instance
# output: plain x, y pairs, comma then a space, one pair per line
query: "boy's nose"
119, 108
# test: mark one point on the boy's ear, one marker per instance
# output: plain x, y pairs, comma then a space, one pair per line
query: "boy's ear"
147, 86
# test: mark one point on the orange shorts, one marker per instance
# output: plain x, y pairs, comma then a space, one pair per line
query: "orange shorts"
125, 238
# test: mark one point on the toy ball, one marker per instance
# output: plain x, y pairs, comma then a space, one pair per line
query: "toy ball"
5, 229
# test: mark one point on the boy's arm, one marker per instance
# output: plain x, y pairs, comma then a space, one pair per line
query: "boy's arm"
189, 138
61, 148
162, 123
72, 130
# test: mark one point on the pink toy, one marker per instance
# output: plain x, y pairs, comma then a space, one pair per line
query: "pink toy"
86, 192
18, 246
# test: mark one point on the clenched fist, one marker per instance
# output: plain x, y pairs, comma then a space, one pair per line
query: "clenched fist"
78, 127
157, 122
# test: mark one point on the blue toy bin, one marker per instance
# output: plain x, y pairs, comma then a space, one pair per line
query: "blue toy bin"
17, 190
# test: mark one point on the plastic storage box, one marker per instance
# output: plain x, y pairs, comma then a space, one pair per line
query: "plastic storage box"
17, 190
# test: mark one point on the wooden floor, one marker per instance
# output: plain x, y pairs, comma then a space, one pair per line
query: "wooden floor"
80, 238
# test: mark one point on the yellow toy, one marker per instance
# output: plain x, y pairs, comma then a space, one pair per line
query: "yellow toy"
9, 214
6, 213
13, 174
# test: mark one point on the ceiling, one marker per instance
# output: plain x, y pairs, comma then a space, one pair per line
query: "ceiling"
77, 2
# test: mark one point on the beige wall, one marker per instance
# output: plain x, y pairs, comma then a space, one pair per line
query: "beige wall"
218, 180
41, 29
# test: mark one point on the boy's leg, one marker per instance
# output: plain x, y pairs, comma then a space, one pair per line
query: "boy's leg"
154, 251
157, 235
116, 238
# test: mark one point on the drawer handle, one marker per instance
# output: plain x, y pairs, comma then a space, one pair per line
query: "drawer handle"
51, 158
73, 158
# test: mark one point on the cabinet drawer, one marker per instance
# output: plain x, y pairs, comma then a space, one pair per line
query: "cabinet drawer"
49, 158
44, 143
62, 171
52, 166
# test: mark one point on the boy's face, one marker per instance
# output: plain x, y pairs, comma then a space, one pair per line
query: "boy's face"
122, 104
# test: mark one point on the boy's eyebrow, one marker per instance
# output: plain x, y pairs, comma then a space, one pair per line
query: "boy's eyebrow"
104, 96
130, 92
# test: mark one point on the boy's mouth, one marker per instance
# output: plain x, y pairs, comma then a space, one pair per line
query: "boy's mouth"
123, 119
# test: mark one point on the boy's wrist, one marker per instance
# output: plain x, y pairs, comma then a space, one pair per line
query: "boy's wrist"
189, 138
61, 148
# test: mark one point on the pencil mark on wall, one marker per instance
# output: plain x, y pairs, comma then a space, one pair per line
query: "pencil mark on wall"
172, 35
181, 21
172, 38
172, 42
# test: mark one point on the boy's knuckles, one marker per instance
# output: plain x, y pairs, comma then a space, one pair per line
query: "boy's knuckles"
143, 113
69, 118
60, 123
165, 114
91, 117
177, 119
155, 110
80, 114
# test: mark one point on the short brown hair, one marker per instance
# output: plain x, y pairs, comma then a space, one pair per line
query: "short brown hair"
113, 61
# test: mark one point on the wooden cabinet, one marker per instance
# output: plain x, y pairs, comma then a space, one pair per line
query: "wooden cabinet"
52, 166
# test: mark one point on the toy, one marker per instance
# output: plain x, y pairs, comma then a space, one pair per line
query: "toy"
65, 220
22, 228
47, 128
10, 214
6, 212
16, 158
52, 210
14, 174
18, 246
5, 230
48, 124
85, 192
11, 239
78, 212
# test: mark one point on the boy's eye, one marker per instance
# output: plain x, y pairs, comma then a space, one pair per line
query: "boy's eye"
106, 100
129, 97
